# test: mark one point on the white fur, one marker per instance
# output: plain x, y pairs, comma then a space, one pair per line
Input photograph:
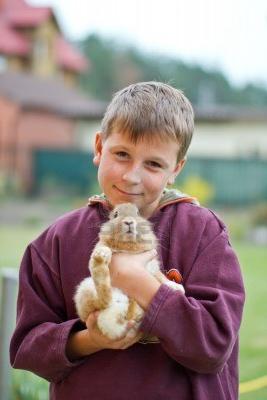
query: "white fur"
112, 321
96, 292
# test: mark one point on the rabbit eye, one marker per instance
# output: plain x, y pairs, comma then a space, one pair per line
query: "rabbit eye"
116, 214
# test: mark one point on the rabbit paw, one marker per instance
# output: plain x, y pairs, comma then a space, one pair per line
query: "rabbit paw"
102, 255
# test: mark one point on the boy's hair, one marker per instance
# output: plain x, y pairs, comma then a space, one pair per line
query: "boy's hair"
147, 108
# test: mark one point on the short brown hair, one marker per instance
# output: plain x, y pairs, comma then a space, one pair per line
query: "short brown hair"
147, 108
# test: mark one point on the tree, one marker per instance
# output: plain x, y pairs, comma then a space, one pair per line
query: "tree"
114, 65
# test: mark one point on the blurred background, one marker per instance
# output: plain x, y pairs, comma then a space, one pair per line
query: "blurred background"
60, 63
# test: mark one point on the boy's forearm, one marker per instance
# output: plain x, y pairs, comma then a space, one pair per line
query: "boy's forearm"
79, 345
130, 275
143, 288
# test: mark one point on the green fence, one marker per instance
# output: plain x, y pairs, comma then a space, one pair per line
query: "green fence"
70, 170
236, 181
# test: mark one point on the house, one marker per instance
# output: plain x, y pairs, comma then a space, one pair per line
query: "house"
230, 132
31, 41
41, 113
41, 106
229, 152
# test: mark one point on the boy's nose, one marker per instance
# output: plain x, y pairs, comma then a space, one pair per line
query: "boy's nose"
132, 176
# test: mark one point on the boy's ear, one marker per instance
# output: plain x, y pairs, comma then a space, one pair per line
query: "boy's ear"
176, 171
97, 149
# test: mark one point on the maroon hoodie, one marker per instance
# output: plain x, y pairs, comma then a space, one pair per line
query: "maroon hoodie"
197, 357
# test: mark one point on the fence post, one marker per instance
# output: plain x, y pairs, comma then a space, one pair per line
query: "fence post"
8, 297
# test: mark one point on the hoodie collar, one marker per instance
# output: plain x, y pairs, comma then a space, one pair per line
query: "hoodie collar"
169, 196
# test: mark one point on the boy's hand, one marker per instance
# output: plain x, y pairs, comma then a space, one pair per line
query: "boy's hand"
100, 341
128, 271
125, 266
90, 340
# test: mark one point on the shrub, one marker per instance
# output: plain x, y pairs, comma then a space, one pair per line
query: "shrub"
259, 215
199, 188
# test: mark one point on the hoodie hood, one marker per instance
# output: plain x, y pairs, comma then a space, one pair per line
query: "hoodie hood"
169, 196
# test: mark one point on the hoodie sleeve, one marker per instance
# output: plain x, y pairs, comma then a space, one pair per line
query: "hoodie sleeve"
200, 329
39, 340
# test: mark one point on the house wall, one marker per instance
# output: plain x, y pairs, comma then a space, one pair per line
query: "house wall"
8, 120
230, 140
40, 130
21, 132
43, 55
85, 134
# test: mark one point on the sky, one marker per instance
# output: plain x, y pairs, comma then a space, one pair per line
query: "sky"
229, 35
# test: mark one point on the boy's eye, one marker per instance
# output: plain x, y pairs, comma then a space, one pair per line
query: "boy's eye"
153, 164
121, 154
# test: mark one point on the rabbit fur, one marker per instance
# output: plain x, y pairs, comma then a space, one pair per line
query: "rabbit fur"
125, 231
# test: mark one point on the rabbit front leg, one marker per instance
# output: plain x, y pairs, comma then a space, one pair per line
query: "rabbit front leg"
113, 304
99, 267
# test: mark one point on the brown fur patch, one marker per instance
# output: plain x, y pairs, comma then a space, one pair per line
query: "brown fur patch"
131, 310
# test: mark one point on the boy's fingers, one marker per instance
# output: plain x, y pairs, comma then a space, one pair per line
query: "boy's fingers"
132, 324
131, 339
91, 320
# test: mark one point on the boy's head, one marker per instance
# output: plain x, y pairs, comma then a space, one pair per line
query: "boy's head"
148, 109
141, 148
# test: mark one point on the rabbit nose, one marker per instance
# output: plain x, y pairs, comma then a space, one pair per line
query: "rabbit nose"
129, 223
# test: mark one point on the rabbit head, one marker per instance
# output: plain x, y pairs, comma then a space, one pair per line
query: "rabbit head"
127, 231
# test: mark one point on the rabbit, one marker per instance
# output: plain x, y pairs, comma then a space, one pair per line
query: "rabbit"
125, 231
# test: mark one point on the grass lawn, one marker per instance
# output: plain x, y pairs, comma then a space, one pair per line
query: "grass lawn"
253, 336
13, 241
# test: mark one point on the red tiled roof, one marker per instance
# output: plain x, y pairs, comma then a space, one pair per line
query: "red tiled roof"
28, 16
12, 42
18, 14
68, 57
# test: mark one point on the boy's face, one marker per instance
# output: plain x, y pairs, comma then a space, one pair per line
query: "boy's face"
136, 173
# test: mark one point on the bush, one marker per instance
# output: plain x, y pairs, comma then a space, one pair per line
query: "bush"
199, 188
259, 215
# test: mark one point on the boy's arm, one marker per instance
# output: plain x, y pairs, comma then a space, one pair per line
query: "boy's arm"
42, 329
44, 341
200, 329
129, 274
91, 340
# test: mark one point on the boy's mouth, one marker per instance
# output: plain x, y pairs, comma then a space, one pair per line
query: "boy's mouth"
127, 193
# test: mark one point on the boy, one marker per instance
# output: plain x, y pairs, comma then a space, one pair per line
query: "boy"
141, 148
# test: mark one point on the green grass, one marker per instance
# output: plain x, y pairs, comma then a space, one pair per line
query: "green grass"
253, 335
27, 386
13, 241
